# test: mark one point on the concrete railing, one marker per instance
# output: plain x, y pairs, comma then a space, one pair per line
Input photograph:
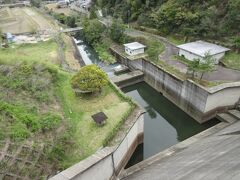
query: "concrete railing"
199, 102
106, 163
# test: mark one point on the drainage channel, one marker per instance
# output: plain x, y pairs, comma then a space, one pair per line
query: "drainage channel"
164, 123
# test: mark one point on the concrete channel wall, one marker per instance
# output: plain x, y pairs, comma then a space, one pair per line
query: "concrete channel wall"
106, 163
199, 102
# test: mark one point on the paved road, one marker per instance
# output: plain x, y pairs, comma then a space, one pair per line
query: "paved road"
221, 73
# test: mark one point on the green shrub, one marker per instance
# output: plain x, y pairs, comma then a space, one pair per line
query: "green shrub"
89, 78
102, 49
57, 152
49, 121
30, 120
19, 132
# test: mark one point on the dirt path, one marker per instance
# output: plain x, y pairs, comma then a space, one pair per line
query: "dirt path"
42, 22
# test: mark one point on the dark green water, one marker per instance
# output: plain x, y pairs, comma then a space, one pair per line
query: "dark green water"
164, 123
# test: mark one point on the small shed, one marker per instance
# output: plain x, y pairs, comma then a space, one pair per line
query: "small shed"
199, 49
134, 48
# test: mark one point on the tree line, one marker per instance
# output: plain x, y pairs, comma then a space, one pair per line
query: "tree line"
202, 18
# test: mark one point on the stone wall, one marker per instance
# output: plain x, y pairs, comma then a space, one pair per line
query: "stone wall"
109, 161
199, 102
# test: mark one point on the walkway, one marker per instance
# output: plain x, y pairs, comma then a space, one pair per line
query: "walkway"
221, 73
214, 157
72, 29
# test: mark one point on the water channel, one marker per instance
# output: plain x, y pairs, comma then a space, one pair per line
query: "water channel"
164, 123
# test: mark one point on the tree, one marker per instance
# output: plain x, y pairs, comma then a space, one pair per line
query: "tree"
206, 65
237, 44
193, 66
154, 48
36, 3
1, 38
89, 79
117, 31
93, 30
71, 21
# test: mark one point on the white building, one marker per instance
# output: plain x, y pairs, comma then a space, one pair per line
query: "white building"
134, 48
63, 3
199, 49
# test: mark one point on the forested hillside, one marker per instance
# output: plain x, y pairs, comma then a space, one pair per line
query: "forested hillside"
202, 18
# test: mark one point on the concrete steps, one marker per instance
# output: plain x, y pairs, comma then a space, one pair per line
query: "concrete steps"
128, 79
235, 113
225, 117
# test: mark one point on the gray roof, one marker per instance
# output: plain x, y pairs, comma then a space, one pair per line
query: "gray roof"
200, 48
134, 45
214, 157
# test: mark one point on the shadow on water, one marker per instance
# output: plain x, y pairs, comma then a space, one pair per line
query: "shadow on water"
164, 123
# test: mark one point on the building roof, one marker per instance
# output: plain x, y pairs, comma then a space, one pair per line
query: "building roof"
201, 48
134, 45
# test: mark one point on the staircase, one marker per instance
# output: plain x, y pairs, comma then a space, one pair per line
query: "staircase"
231, 116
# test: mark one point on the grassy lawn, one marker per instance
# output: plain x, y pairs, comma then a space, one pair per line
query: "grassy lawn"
175, 40
232, 60
66, 10
39, 110
43, 52
88, 136
181, 59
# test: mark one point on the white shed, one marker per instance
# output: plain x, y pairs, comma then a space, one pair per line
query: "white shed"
199, 49
134, 48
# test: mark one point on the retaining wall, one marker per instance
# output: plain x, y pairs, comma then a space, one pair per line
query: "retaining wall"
107, 162
199, 102
77, 54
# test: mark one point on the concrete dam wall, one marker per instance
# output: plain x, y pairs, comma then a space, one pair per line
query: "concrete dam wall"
199, 102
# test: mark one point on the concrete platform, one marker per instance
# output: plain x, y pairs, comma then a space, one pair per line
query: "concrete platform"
216, 156
120, 69
225, 117
128, 79
235, 113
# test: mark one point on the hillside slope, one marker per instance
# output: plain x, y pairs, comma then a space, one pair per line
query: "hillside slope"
208, 18
44, 126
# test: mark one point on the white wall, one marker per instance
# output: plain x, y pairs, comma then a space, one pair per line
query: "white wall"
188, 55
223, 98
134, 52
218, 57
191, 56
123, 148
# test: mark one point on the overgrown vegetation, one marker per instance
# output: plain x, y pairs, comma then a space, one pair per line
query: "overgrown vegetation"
40, 112
212, 19
232, 60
